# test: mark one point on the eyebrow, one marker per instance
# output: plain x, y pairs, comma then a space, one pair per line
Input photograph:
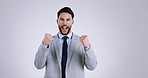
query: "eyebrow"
63, 18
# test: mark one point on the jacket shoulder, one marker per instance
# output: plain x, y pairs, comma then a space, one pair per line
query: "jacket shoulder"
76, 36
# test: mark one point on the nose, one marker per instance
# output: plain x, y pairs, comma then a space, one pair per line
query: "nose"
64, 23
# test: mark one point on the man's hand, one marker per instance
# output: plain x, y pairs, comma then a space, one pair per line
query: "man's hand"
85, 41
47, 39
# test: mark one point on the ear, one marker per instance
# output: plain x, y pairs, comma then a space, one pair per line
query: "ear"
57, 20
72, 21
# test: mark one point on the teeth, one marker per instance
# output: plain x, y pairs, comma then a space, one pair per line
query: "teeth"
64, 27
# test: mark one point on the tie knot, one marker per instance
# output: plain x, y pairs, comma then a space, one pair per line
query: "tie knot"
64, 38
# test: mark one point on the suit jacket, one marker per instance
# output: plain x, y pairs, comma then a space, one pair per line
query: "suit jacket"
76, 60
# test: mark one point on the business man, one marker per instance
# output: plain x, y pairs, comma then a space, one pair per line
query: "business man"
65, 54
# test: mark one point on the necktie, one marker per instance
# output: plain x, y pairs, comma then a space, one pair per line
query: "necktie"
64, 56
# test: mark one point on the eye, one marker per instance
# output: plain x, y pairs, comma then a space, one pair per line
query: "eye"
68, 19
61, 19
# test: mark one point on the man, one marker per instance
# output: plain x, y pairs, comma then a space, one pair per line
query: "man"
65, 54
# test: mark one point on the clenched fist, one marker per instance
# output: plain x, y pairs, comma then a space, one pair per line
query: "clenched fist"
85, 41
47, 39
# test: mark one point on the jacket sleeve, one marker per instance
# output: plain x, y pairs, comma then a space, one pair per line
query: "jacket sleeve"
40, 57
90, 59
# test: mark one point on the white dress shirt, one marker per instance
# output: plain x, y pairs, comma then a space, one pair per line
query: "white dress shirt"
60, 36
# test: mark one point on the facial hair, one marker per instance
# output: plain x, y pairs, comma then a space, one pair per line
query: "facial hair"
60, 28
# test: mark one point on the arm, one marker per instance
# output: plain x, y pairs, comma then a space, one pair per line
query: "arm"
40, 57
90, 59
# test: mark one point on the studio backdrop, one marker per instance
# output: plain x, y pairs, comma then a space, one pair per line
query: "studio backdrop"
117, 30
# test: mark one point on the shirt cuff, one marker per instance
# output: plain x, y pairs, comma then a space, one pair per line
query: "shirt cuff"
86, 49
45, 45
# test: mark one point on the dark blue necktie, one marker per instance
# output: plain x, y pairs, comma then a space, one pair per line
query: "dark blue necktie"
64, 56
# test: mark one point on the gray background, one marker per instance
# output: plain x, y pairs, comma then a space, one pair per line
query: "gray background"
117, 30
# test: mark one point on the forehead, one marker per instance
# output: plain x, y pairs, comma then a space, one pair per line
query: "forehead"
65, 15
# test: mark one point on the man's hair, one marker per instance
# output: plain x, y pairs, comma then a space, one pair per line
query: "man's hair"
66, 10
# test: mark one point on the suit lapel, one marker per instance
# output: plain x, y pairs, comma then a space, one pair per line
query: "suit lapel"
56, 46
71, 49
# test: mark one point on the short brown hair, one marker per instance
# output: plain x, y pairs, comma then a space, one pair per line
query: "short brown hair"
67, 10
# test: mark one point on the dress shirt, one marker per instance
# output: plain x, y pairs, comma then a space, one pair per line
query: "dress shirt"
60, 36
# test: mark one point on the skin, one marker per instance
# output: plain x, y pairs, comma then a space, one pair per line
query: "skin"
65, 23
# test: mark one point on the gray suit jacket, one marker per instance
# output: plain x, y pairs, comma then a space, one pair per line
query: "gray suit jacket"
77, 58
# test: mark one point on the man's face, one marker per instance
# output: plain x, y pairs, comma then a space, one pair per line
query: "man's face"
65, 22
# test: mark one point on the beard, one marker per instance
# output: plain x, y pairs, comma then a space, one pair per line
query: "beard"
62, 27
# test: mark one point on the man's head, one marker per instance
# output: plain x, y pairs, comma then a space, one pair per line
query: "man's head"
65, 20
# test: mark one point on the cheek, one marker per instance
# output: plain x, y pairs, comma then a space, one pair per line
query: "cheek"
59, 24
70, 23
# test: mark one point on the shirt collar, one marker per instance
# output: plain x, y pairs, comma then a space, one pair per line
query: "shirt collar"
68, 35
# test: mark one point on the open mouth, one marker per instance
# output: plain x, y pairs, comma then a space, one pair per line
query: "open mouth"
64, 27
